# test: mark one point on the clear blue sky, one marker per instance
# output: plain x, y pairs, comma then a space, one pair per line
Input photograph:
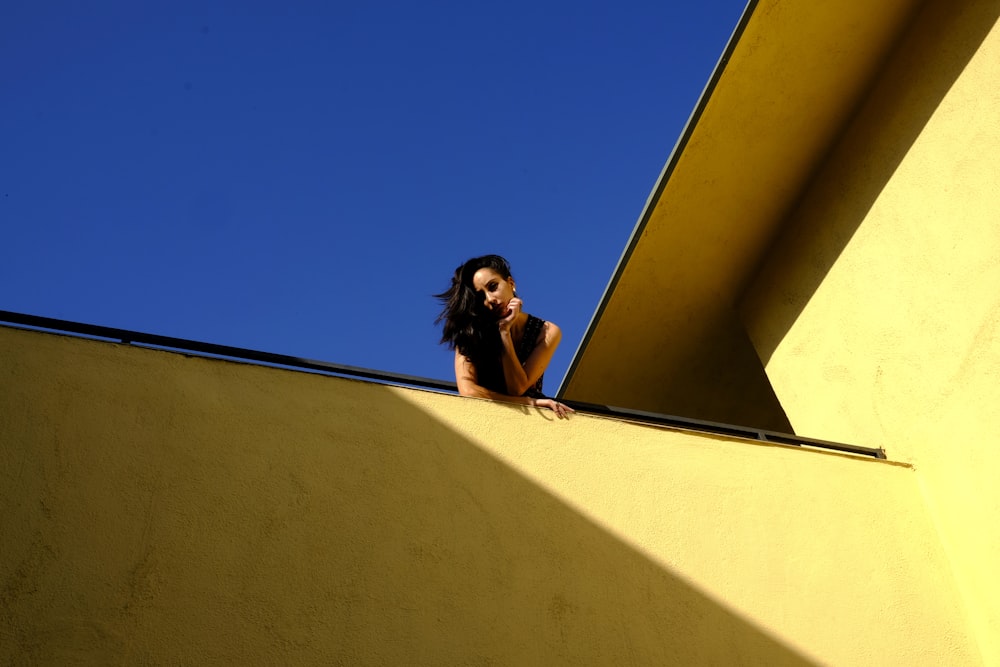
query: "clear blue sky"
299, 178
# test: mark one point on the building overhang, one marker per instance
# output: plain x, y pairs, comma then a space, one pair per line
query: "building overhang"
788, 82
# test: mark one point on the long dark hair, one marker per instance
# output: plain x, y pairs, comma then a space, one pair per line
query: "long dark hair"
466, 319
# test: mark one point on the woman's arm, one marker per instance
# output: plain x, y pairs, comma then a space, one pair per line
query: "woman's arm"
468, 385
519, 378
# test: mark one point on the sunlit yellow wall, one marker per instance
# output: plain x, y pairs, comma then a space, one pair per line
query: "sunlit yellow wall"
161, 509
878, 314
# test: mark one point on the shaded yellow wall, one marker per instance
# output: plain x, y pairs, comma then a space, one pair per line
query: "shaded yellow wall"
711, 373
163, 509
878, 313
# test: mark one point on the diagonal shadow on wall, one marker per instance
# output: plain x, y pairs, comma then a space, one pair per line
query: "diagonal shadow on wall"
930, 56
160, 509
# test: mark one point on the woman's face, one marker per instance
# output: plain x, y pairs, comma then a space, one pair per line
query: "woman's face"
494, 290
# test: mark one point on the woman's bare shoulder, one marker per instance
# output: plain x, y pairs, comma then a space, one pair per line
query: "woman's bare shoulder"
550, 332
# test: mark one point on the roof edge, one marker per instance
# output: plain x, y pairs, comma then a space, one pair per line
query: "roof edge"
658, 188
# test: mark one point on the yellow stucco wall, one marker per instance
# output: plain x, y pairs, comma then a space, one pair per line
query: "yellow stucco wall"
163, 509
878, 313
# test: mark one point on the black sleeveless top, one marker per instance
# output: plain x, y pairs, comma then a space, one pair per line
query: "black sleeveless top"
490, 372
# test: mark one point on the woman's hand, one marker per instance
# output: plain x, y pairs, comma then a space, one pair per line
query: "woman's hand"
513, 310
562, 411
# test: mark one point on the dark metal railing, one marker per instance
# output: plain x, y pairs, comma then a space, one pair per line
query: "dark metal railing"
703, 426
290, 362
211, 349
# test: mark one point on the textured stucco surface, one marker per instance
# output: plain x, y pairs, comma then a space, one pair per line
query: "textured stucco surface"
879, 311
162, 509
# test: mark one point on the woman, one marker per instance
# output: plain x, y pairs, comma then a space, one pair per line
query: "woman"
501, 352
